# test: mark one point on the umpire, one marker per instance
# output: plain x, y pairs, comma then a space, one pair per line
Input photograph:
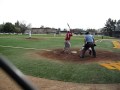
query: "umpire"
89, 42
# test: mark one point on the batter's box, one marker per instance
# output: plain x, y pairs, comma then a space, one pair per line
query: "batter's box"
112, 65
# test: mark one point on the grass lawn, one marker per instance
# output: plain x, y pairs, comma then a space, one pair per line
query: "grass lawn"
50, 69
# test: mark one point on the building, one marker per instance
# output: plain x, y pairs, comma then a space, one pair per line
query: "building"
42, 30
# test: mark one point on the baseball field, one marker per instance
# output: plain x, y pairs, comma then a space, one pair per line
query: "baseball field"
42, 56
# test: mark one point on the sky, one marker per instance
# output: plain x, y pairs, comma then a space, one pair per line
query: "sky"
57, 13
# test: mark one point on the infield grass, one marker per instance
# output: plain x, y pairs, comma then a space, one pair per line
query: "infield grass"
56, 70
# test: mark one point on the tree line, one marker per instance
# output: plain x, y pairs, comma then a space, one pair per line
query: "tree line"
18, 27
112, 28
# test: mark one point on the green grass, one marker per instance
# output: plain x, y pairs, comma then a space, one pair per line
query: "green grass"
56, 70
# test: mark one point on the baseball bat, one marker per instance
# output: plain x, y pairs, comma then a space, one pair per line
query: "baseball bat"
68, 25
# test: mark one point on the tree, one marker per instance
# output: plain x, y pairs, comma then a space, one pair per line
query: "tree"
17, 24
42, 27
110, 26
29, 26
17, 30
117, 26
9, 28
1, 27
17, 27
22, 27
92, 31
58, 31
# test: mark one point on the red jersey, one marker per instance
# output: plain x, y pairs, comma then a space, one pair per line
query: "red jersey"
68, 35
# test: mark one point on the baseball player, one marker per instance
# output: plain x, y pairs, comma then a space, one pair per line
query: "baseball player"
89, 43
89, 50
67, 41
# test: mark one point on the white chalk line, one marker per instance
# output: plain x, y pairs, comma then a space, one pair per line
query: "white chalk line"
100, 40
34, 48
27, 48
24, 48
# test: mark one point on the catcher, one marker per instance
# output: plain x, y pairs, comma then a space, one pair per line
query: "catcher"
89, 50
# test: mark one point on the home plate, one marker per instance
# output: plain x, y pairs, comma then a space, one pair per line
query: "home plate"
73, 51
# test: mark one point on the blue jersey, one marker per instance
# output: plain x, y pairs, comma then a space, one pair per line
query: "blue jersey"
89, 38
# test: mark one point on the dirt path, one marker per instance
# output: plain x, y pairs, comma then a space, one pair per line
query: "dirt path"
45, 84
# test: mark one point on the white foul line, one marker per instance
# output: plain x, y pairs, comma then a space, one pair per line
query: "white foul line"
24, 48
98, 40
32, 48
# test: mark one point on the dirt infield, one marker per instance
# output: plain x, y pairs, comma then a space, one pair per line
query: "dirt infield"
102, 56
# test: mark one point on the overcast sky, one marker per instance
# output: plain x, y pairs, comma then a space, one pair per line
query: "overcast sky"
57, 13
